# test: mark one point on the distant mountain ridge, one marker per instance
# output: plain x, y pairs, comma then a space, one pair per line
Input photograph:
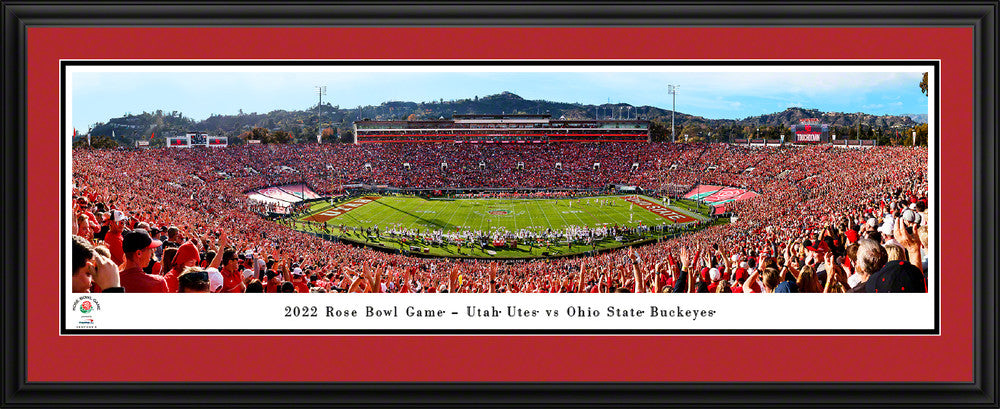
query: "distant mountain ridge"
302, 124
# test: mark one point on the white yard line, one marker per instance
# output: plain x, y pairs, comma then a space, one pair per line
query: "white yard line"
577, 215
565, 222
424, 214
526, 210
458, 205
549, 222
385, 209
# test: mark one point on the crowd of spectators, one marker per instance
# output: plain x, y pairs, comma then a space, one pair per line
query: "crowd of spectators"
177, 220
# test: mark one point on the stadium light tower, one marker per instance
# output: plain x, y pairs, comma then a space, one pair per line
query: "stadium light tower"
672, 90
321, 91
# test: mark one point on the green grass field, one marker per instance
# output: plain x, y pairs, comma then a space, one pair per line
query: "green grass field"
452, 215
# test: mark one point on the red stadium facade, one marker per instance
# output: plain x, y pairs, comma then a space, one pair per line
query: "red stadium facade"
516, 129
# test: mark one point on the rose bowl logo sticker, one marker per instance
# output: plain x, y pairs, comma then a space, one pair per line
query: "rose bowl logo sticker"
86, 305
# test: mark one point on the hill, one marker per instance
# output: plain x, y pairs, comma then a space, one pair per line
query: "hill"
304, 125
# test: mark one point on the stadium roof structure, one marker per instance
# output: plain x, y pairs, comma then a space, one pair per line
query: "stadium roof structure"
503, 128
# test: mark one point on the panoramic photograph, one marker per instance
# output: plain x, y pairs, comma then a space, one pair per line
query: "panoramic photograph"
499, 179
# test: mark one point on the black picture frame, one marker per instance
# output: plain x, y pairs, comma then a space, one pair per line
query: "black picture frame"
19, 15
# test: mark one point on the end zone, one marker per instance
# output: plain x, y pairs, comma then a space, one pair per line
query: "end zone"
662, 211
339, 210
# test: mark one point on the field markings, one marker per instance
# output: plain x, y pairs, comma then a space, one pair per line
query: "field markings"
439, 209
591, 207
434, 207
513, 215
482, 219
467, 213
416, 219
448, 219
577, 214
527, 210
387, 209
619, 212
565, 222
394, 207
544, 213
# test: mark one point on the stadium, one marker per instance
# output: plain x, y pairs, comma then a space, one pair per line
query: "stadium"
508, 203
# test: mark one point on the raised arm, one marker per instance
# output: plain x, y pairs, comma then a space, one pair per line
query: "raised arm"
748, 285
834, 273
286, 269
356, 285
453, 279
580, 282
726, 262
217, 260
656, 276
910, 241
636, 272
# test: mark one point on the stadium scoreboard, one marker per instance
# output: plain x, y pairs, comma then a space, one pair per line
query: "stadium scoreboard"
192, 139
810, 130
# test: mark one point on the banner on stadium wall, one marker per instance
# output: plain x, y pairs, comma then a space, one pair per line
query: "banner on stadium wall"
218, 141
179, 142
253, 141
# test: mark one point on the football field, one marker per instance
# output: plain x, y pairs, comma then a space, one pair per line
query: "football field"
487, 215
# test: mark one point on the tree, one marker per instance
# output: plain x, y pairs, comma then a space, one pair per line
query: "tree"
691, 130
658, 132
259, 133
329, 135
97, 142
158, 140
280, 137
347, 136
921, 131
923, 84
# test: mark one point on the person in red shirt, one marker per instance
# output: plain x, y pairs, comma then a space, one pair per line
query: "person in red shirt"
113, 238
272, 281
299, 281
232, 275
186, 256
138, 247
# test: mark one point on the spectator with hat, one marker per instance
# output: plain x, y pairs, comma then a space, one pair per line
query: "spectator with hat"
138, 248
185, 256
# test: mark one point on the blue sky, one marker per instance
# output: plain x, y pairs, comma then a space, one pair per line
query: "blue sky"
100, 95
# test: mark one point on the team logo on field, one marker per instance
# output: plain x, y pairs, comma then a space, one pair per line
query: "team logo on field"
498, 212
